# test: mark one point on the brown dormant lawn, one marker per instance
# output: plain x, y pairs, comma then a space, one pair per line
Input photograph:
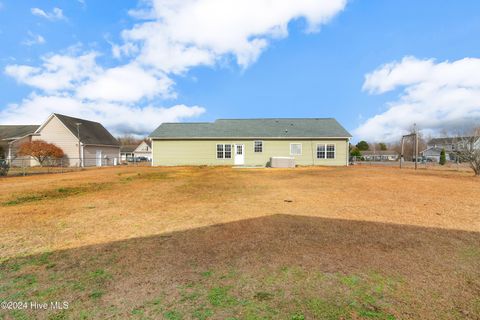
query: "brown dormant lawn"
223, 243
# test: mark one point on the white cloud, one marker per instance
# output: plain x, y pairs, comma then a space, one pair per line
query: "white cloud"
57, 72
55, 14
119, 118
126, 83
188, 33
437, 97
33, 39
171, 37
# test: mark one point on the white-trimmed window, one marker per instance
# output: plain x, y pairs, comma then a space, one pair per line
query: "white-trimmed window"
257, 146
295, 149
321, 152
330, 151
325, 151
224, 151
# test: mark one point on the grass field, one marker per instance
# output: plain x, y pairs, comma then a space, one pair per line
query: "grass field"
361, 242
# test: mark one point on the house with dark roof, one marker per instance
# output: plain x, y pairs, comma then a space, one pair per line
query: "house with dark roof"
251, 142
126, 152
451, 145
11, 137
84, 142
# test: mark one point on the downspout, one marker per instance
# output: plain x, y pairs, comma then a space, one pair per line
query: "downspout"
348, 151
81, 155
153, 154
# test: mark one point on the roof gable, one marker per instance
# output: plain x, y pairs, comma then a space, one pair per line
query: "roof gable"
91, 132
11, 132
275, 128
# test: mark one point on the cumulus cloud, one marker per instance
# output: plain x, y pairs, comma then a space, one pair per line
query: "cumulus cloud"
55, 14
57, 72
117, 117
169, 38
437, 96
184, 33
126, 83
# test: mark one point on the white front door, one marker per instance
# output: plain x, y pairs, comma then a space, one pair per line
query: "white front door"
239, 154
99, 158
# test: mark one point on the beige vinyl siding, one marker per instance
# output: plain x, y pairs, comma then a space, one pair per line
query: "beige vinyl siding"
20, 161
143, 150
55, 132
108, 155
203, 152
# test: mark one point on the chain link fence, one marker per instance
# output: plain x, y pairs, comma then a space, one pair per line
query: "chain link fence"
421, 164
24, 166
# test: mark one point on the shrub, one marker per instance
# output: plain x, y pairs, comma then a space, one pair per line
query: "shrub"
443, 157
40, 151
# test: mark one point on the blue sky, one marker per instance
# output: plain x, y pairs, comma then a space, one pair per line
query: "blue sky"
374, 65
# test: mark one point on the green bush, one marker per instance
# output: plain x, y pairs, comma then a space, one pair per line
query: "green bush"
443, 157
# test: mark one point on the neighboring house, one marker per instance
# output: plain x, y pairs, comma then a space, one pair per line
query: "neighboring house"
451, 145
85, 143
126, 152
381, 155
11, 137
144, 150
433, 154
250, 142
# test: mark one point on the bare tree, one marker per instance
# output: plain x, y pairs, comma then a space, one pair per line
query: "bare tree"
469, 150
128, 139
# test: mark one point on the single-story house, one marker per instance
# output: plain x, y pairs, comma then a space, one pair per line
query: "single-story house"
433, 154
85, 143
251, 142
126, 152
380, 155
451, 145
11, 137
144, 150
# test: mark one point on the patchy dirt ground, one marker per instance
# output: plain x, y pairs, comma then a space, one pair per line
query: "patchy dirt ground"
218, 243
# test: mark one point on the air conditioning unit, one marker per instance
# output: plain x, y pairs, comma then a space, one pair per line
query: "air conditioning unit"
282, 162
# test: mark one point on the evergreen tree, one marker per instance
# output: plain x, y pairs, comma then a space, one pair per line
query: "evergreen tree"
362, 146
443, 157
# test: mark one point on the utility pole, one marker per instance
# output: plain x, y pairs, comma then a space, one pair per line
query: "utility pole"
80, 164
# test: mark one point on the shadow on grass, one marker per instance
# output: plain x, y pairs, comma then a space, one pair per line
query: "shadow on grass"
274, 267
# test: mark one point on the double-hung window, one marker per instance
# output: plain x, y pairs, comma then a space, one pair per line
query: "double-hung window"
224, 151
321, 151
325, 151
330, 151
295, 149
258, 146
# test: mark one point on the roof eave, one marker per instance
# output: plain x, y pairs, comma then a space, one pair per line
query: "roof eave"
236, 138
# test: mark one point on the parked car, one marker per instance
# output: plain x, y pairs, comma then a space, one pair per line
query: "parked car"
137, 159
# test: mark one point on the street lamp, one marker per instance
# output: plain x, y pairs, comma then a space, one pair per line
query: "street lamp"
80, 164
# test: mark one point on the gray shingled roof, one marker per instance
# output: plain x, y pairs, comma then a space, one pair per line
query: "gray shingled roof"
449, 140
16, 131
90, 132
253, 128
379, 152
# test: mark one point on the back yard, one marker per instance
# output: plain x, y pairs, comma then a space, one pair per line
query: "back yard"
222, 243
